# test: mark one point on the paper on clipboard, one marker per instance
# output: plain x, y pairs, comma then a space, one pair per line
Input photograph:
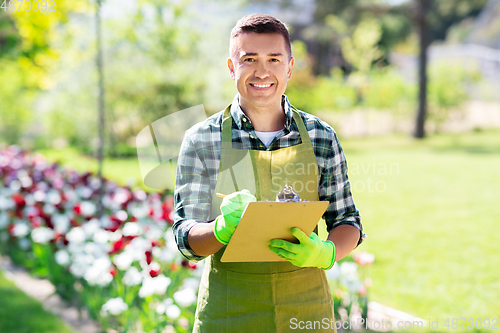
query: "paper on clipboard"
266, 220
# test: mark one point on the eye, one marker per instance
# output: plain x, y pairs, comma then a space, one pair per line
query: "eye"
249, 60
274, 60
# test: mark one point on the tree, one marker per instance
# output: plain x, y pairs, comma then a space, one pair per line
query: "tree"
423, 6
25, 60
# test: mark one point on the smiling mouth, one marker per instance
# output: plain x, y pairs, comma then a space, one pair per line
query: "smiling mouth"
261, 85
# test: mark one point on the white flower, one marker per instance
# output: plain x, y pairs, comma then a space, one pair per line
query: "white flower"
61, 223
99, 272
49, 209
90, 248
154, 233
30, 201
95, 182
62, 257
137, 248
191, 282
173, 311
157, 285
349, 269
185, 297
170, 241
123, 260
4, 218
138, 209
6, 203
160, 309
39, 196
131, 229
53, 197
121, 195
132, 277
91, 227
88, 208
76, 235
121, 215
20, 230
76, 248
115, 306
26, 181
42, 235
334, 272
101, 236
84, 192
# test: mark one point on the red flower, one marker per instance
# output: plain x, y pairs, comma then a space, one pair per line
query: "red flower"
113, 271
10, 229
18, 199
118, 246
149, 256
77, 208
155, 270
36, 222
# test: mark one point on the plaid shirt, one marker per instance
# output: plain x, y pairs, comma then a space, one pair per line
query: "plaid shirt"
199, 159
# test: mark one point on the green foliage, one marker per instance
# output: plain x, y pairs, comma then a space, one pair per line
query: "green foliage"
447, 88
25, 59
361, 49
379, 88
15, 100
150, 67
312, 94
387, 89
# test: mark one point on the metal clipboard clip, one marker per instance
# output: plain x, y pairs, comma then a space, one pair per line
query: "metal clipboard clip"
288, 194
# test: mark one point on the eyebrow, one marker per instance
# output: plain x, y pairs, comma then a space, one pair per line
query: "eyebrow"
255, 54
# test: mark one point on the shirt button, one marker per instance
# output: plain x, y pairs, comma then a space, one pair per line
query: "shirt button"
244, 119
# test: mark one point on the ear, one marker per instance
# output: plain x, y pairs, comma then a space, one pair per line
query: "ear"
230, 65
290, 67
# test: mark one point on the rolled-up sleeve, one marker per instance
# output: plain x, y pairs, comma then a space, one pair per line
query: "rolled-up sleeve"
192, 195
335, 187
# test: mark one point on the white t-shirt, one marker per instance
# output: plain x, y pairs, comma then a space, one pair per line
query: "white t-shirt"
266, 137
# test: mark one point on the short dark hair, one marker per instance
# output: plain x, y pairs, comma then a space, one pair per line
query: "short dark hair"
262, 24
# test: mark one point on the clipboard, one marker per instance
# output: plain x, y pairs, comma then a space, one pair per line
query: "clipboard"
266, 220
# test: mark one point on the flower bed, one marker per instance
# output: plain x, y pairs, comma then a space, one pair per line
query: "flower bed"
123, 267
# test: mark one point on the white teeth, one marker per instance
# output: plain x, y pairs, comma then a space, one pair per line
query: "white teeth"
261, 85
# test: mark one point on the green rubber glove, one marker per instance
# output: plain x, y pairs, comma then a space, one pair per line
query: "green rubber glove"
311, 252
232, 207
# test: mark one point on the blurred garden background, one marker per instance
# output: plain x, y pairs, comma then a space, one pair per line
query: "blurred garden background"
424, 164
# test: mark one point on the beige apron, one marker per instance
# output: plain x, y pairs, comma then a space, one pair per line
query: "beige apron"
264, 296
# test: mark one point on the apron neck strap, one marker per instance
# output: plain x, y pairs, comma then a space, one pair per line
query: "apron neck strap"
227, 124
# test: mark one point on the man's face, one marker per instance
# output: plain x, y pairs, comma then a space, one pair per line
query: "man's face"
261, 68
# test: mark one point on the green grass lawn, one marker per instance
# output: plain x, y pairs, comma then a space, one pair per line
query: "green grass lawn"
20, 313
430, 209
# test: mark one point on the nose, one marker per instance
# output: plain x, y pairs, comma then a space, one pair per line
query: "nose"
261, 71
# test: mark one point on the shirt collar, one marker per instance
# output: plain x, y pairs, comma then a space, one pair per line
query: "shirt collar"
240, 118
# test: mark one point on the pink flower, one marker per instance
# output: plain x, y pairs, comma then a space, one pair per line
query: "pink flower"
364, 258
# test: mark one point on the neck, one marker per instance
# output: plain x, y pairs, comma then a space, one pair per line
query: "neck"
265, 118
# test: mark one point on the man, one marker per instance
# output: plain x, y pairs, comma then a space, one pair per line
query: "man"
279, 142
